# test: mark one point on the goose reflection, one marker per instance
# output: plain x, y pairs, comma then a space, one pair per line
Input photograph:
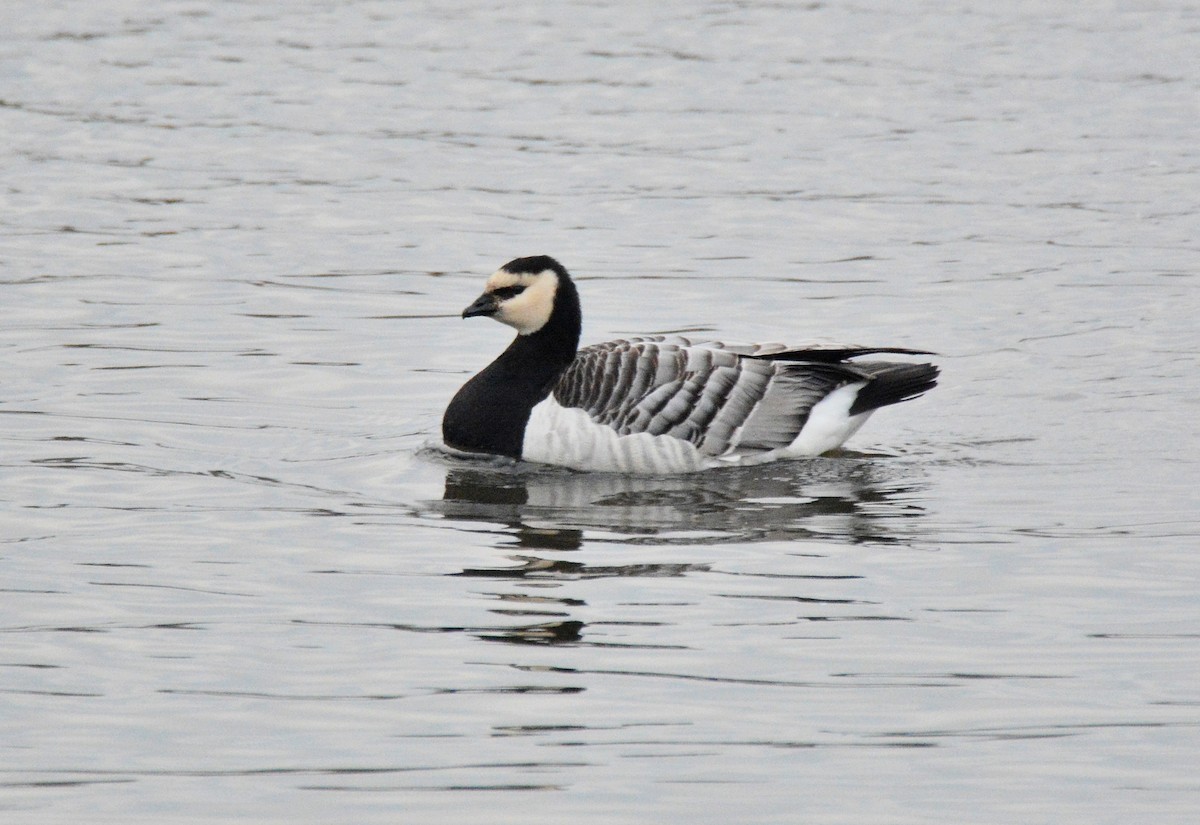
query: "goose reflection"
539, 516
842, 498
542, 514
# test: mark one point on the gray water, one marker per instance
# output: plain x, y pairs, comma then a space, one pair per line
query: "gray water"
241, 584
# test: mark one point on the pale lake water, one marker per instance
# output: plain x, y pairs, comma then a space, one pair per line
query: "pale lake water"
240, 583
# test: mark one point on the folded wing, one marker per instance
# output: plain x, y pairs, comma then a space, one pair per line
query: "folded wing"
725, 397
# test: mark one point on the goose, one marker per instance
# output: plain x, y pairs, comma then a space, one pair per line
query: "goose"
657, 404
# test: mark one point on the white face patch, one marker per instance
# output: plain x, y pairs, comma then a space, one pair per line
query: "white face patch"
530, 310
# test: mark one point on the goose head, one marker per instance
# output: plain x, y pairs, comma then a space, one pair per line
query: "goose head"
521, 293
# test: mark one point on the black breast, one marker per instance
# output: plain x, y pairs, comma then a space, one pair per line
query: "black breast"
489, 413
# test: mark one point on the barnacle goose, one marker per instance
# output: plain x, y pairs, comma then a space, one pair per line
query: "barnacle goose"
661, 404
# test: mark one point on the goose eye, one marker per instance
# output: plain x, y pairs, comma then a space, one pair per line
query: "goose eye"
506, 292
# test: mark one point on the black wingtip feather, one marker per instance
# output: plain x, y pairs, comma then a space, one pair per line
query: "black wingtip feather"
895, 383
834, 354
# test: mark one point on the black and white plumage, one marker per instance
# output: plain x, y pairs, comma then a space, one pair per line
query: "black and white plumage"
660, 404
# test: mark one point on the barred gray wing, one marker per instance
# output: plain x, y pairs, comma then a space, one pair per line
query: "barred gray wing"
715, 396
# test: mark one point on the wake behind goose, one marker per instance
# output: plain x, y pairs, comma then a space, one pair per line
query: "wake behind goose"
659, 404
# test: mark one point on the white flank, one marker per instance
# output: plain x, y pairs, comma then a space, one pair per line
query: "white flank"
829, 423
568, 437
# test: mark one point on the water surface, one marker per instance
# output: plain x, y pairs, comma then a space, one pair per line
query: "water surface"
242, 584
